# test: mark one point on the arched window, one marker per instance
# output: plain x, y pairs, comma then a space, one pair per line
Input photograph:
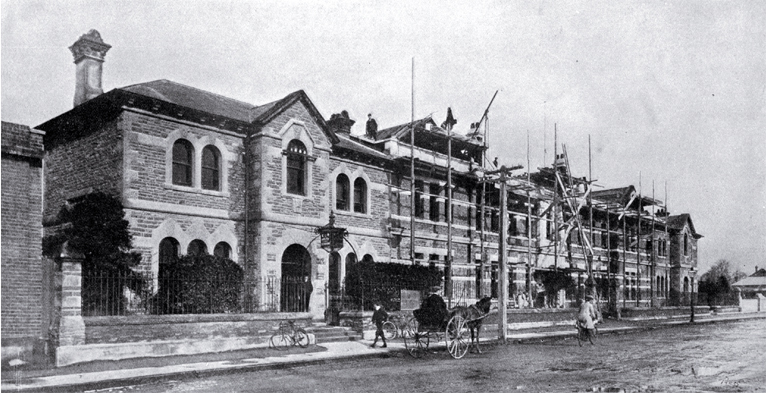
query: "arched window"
686, 284
360, 196
341, 192
222, 250
211, 168
296, 167
350, 262
196, 247
182, 162
686, 244
168, 251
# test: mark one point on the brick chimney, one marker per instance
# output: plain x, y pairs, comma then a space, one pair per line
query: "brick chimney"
89, 52
340, 123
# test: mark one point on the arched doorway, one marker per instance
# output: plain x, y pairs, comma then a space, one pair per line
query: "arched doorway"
296, 287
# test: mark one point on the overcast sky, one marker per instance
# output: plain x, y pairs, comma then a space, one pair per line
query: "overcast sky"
669, 92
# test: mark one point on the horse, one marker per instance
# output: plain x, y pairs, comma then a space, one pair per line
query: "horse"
474, 315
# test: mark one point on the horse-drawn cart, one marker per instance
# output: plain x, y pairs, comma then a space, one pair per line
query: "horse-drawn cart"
433, 320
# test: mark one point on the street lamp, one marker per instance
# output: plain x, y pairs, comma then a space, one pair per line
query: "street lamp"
331, 237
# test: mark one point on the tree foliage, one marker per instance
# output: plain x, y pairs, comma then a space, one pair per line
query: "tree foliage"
201, 284
715, 284
368, 282
95, 226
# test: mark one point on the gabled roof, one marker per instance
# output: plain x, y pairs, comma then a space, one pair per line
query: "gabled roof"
618, 195
404, 129
175, 99
191, 97
348, 143
756, 281
677, 223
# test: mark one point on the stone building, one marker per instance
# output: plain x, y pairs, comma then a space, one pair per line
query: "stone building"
201, 172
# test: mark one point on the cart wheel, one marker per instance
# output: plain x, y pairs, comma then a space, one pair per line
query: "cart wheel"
456, 337
410, 328
389, 330
417, 344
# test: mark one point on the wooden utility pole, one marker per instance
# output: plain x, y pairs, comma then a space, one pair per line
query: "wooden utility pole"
591, 282
502, 259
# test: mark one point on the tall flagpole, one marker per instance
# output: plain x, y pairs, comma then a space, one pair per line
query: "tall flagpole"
448, 275
529, 225
666, 241
412, 169
638, 244
555, 200
653, 286
589, 256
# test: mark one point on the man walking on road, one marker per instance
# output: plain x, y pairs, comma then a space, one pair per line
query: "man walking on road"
378, 317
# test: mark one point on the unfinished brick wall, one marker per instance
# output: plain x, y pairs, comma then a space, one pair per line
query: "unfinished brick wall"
22, 278
88, 164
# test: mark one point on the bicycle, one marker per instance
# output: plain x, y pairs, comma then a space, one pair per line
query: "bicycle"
390, 331
288, 335
394, 328
583, 334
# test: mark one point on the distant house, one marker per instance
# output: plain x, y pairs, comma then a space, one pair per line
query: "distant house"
755, 283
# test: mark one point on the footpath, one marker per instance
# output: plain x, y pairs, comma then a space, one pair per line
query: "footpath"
100, 375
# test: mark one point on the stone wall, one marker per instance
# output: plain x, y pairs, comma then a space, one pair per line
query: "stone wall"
156, 208
255, 327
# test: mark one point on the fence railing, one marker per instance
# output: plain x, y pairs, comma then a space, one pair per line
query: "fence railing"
127, 293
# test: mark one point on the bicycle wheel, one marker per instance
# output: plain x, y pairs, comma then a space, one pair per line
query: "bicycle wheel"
280, 341
301, 338
389, 330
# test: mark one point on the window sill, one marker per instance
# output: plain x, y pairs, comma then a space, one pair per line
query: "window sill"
194, 190
353, 214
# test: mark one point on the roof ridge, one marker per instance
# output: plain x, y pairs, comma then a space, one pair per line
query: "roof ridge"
144, 84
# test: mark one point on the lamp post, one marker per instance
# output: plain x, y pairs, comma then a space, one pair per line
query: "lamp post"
331, 240
691, 298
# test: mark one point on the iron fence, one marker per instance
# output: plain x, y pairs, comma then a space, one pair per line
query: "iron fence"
129, 293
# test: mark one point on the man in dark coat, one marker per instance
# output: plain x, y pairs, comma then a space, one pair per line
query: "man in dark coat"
308, 290
372, 127
378, 317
